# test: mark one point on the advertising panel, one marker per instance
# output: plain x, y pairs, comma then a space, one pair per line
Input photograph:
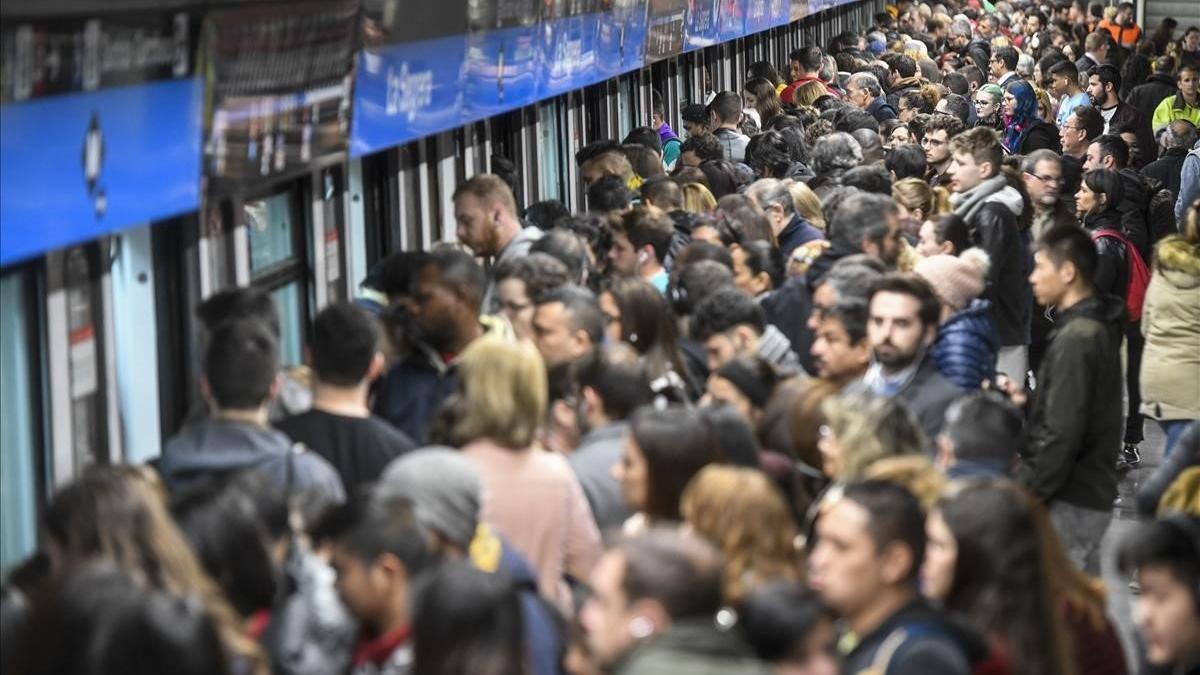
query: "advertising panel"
568, 46
278, 83
620, 37
503, 57
703, 28
664, 28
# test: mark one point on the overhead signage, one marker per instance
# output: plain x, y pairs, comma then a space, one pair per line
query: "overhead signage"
410, 72
568, 46
101, 128
703, 28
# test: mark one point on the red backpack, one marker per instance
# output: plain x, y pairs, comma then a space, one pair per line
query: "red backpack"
1139, 274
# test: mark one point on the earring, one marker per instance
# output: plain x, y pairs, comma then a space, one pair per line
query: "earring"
633, 338
641, 628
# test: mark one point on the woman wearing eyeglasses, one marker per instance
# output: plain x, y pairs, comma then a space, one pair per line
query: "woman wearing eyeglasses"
988, 98
1024, 128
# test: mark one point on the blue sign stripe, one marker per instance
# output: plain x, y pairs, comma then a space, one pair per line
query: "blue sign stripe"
78, 166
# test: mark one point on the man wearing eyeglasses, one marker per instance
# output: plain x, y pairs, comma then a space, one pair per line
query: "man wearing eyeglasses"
1042, 174
1083, 126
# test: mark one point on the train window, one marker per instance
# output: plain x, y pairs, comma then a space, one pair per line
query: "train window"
272, 236
291, 322
275, 229
19, 435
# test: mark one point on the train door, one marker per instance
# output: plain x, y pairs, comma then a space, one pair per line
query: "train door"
23, 464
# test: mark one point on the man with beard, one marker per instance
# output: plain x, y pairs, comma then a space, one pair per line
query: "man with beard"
449, 291
936, 144
486, 215
902, 322
1104, 81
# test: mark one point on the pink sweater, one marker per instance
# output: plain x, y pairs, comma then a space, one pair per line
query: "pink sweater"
533, 498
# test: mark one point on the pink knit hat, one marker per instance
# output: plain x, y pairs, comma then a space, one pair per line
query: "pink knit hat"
956, 280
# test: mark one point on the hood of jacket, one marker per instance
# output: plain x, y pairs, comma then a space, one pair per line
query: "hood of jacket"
1161, 78
1178, 261
220, 446
903, 83
1108, 310
1109, 219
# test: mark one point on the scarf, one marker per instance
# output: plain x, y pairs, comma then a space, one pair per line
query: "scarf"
967, 203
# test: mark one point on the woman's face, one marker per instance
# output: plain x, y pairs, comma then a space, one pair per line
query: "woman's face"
749, 100
612, 317
633, 474
900, 136
1010, 104
832, 462
985, 105
941, 555
928, 244
1086, 201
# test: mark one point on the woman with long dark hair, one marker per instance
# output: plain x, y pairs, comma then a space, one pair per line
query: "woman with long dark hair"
636, 313
984, 560
759, 94
1024, 128
1096, 205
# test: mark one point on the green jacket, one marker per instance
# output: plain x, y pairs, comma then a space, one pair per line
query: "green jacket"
694, 647
1174, 108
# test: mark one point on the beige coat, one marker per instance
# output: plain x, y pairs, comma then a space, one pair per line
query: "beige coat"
1171, 324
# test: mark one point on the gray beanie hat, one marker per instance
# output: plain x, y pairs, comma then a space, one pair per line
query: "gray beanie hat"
444, 486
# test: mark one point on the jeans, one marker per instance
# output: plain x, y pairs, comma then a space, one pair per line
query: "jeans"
1173, 430
1080, 530
1134, 343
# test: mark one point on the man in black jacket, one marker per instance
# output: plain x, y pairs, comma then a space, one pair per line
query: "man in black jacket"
1104, 82
1178, 138
1075, 420
1161, 84
992, 207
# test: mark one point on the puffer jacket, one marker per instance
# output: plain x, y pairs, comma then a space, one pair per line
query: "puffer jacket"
1171, 323
966, 346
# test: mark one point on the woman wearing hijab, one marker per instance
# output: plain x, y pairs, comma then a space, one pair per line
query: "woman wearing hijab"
1024, 129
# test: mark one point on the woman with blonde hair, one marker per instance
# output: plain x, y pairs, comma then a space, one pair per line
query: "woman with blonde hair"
744, 514
919, 202
808, 93
860, 431
698, 199
807, 204
531, 497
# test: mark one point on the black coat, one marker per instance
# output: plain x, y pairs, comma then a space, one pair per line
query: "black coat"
1133, 211
1146, 97
1076, 415
927, 395
1043, 135
1167, 168
1128, 115
994, 228
1112, 264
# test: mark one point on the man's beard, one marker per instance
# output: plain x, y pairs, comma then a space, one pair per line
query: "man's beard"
896, 360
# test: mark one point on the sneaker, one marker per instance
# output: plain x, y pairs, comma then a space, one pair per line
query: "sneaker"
1130, 457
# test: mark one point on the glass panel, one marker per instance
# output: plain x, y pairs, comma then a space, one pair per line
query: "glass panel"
331, 205
18, 513
269, 222
550, 148
291, 328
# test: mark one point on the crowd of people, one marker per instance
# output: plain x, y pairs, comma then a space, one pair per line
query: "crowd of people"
841, 378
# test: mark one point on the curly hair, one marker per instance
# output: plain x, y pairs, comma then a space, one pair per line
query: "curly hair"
745, 515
